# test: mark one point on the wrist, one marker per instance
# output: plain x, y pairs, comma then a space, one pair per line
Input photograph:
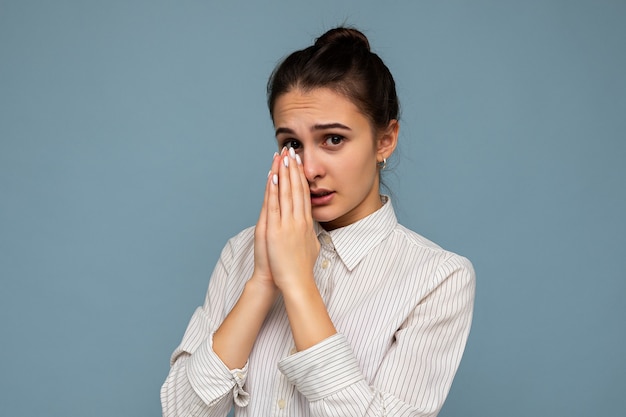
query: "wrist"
261, 289
297, 290
297, 285
308, 317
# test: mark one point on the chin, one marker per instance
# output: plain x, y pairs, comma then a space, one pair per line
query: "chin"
323, 216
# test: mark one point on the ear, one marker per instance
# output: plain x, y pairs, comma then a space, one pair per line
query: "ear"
387, 141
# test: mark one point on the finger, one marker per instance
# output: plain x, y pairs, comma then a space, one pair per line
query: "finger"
273, 204
306, 193
297, 190
285, 191
262, 222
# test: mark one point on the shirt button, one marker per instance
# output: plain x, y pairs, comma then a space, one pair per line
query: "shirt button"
293, 351
240, 375
326, 239
325, 263
281, 404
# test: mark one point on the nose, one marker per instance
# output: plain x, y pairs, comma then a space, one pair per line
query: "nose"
313, 166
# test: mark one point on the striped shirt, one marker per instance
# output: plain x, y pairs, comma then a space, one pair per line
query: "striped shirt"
402, 307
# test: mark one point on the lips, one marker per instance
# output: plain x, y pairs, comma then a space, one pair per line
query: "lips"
321, 197
320, 193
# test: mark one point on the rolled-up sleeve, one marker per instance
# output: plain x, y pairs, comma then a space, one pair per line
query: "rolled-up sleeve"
199, 383
322, 370
417, 371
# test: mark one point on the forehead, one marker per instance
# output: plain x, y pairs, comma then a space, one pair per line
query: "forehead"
318, 105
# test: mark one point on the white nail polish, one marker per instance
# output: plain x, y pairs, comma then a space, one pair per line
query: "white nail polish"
286, 161
269, 173
298, 159
275, 179
292, 153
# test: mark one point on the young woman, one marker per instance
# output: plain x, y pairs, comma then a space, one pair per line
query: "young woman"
328, 307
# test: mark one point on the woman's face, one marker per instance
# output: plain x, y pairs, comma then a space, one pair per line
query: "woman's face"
338, 150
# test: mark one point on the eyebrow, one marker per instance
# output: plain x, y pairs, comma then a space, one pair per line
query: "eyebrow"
315, 127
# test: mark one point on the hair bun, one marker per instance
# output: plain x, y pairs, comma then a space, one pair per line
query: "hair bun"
344, 35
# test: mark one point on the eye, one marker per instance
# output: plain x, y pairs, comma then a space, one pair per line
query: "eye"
292, 143
334, 140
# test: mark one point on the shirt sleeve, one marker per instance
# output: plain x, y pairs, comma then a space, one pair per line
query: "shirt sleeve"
199, 383
417, 371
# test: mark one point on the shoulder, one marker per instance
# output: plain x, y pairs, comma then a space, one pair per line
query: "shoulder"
415, 240
244, 237
239, 244
415, 246
235, 262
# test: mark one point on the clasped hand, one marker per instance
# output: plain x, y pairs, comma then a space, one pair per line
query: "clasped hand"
285, 245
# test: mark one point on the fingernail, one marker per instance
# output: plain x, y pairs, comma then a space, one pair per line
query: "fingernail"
269, 173
298, 159
275, 179
282, 151
292, 153
275, 154
286, 161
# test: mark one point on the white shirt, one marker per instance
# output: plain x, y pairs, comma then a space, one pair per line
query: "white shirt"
402, 307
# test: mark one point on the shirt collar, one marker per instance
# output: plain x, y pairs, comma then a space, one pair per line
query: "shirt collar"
356, 240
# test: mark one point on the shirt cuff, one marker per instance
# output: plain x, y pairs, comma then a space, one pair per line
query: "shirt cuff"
323, 369
212, 380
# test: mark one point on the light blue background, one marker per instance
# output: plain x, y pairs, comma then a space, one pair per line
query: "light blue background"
134, 140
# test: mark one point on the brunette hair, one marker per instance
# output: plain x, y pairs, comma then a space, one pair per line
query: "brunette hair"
341, 60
